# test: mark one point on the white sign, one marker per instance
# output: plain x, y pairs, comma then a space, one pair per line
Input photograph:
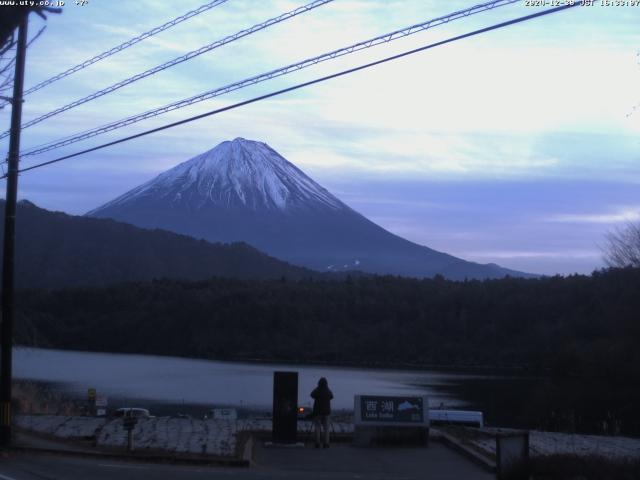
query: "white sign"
101, 401
225, 413
462, 417
101, 412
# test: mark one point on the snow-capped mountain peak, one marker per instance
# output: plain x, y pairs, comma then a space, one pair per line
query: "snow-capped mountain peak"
238, 173
243, 190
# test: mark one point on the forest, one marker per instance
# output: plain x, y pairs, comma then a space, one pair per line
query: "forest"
575, 327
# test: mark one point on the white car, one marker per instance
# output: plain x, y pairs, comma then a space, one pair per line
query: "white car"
133, 412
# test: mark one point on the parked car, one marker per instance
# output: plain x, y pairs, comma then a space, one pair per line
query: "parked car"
222, 414
132, 412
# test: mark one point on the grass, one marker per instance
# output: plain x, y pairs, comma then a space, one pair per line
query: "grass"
39, 398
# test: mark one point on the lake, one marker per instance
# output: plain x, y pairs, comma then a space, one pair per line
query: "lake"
171, 380
168, 385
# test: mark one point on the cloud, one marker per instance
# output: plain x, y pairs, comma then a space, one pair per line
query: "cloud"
541, 102
525, 254
619, 215
426, 115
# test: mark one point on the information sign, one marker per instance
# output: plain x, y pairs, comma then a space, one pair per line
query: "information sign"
391, 410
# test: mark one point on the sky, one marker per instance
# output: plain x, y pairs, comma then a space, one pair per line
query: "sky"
519, 147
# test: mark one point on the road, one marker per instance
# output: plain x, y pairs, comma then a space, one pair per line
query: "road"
341, 462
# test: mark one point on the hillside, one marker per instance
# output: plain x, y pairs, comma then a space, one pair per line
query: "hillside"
244, 190
54, 249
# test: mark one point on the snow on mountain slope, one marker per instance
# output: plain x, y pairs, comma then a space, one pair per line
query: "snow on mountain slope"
239, 173
243, 190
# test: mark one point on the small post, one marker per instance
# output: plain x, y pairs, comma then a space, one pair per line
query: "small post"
91, 402
130, 440
512, 455
8, 254
129, 422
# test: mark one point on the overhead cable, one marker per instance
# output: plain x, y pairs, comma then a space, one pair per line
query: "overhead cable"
122, 46
305, 84
388, 37
176, 61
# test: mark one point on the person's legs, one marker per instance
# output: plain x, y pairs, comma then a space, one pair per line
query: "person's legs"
316, 427
325, 427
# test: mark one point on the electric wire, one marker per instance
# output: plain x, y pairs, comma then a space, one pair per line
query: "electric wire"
122, 46
386, 38
171, 63
305, 84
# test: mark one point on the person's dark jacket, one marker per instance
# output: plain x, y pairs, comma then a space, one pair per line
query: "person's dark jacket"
321, 400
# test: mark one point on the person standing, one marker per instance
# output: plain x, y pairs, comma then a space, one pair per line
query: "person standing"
321, 411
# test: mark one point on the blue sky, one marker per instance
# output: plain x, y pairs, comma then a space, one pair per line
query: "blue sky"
518, 147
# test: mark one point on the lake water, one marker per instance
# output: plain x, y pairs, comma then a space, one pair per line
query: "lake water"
173, 380
168, 385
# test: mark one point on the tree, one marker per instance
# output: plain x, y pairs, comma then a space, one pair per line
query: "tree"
623, 246
12, 16
9, 20
6, 67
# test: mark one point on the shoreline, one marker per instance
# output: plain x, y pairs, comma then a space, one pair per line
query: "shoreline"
519, 370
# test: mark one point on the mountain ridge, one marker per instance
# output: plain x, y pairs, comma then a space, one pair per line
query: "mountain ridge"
54, 249
243, 190
250, 178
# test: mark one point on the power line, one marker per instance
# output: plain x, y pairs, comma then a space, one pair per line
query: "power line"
388, 37
122, 46
177, 60
305, 84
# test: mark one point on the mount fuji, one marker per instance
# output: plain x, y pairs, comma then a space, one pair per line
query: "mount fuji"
243, 190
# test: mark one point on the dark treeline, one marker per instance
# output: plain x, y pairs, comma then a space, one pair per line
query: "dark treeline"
577, 327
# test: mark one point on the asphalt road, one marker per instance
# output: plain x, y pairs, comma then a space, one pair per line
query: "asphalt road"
341, 462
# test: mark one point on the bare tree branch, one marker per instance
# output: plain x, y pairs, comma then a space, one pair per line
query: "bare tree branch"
623, 246
6, 64
8, 67
35, 37
10, 44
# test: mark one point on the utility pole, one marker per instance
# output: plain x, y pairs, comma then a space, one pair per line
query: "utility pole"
8, 254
